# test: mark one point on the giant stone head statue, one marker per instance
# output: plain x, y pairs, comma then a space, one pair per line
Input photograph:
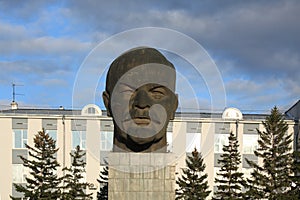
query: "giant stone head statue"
139, 96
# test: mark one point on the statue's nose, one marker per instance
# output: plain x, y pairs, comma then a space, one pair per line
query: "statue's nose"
142, 100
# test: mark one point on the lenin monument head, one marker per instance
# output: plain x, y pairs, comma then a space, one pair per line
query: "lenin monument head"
140, 97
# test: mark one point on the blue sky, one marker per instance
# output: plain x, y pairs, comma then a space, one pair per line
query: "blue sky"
254, 44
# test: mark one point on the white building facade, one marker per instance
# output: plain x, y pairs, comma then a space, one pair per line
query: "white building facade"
93, 131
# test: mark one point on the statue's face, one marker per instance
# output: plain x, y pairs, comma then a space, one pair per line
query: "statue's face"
150, 107
142, 102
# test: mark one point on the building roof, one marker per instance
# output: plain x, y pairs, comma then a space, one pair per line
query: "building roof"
293, 106
77, 112
41, 111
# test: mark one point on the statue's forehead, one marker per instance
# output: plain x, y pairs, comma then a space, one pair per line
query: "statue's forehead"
151, 73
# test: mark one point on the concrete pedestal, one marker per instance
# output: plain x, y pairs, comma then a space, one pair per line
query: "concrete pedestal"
141, 176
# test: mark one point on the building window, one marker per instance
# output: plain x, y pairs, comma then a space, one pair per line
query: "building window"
222, 128
193, 136
91, 110
19, 175
220, 141
79, 138
106, 140
193, 141
169, 142
52, 134
251, 157
251, 128
20, 138
250, 143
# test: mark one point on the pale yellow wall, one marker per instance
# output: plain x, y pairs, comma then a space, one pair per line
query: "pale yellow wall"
6, 144
93, 153
261, 128
240, 138
60, 143
207, 150
179, 142
34, 126
68, 142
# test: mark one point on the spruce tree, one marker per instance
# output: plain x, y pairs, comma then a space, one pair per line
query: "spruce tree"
43, 182
271, 179
229, 180
193, 184
74, 184
294, 193
102, 194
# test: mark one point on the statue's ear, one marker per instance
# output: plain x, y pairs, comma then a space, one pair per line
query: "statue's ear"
106, 100
175, 105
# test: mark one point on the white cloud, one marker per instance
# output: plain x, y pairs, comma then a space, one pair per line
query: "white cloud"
243, 88
54, 82
43, 46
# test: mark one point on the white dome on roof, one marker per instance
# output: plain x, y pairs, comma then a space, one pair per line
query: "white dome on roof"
91, 109
232, 113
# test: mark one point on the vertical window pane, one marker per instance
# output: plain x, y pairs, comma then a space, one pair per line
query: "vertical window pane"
193, 141
102, 136
24, 134
83, 133
83, 139
75, 139
52, 134
79, 138
18, 138
250, 143
220, 140
18, 173
169, 142
106, 142
102, 142
83, 144
24, 141
110, 140
91, 110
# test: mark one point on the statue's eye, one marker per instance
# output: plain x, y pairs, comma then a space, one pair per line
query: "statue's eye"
158, 92
126, 89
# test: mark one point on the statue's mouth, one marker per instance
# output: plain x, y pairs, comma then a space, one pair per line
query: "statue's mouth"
142, 121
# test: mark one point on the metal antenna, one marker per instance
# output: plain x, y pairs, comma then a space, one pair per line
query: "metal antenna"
14, 91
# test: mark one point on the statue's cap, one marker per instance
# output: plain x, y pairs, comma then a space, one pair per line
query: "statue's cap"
132, 58
139, 56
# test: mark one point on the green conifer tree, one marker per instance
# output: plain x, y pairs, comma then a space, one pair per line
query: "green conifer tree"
102, 194
74, 184
43, 182
193, 184
294, 193
230, 181
271, 180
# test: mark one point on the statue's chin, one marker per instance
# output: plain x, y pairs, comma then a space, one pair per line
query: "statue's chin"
141, 141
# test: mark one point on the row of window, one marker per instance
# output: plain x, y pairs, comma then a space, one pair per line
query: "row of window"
193, 134
19, 173
20, 138
250, 143
106, 140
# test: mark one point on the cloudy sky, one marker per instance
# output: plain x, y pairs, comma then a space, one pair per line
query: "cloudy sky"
255, 46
